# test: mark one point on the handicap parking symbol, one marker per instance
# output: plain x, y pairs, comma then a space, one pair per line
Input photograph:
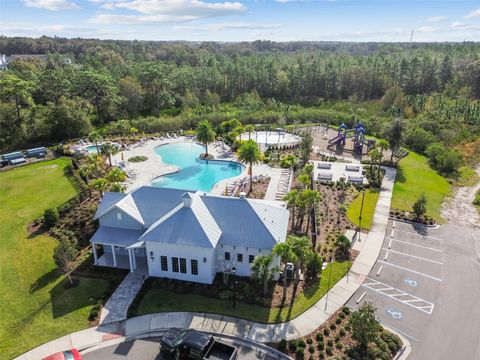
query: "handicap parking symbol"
397, 315
411, 282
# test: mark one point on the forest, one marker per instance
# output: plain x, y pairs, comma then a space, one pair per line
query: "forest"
163, 86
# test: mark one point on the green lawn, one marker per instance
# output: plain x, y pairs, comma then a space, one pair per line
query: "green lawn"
35, 307
160, 300
414, 177
369, 204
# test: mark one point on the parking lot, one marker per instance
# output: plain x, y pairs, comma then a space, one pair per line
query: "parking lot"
405, 281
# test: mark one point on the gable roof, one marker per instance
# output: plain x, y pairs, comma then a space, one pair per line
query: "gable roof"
182, 217
190, 225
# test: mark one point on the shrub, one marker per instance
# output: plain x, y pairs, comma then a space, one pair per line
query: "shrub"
338, 320
50, 217
321, 355
342, 332
309, 341
282, 344
138, 158
329, 350
311, 349
326, 331
320, 345
420, 206
337, 338
301, 343
346, 310
330, 343
338, 345
319, 337
300, 353
333, 326
342, 315
293, 345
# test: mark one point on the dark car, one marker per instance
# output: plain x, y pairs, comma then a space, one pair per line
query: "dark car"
191, 344
184, 344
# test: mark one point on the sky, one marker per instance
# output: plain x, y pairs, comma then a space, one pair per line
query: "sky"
244, 20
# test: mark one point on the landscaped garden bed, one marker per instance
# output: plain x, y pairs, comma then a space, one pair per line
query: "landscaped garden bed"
335, 340
409, 216
161, 295
137, 159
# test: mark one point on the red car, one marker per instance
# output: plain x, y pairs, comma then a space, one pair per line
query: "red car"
71, 354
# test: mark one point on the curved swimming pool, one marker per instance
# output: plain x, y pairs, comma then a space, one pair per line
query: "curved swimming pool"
195, 174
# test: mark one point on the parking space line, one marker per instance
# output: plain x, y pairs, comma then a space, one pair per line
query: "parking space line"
414, 256
419, 235
410, 270
424, 308
413, 244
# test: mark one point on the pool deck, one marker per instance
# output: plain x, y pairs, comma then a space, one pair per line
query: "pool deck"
154, 167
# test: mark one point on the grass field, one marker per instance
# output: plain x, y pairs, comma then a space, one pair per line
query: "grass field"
160, 300
414, 177
369, 204
35, 307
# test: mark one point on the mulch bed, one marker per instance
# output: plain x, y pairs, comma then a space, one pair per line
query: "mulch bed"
408, 216
259, 189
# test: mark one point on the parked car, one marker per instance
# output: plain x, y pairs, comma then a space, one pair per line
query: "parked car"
71, 354
191, 344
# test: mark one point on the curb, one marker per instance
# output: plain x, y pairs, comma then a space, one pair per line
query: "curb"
434, 226
406, 348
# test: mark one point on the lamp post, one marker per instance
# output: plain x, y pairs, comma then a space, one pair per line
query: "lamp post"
234, 288
329, 278
360, 216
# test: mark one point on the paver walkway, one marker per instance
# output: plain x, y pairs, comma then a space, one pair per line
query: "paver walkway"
304, 324
117, 306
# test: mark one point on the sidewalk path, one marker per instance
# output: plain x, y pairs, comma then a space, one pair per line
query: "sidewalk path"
117, 306
148, 325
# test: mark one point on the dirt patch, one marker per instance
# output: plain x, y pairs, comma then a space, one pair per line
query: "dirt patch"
459, 208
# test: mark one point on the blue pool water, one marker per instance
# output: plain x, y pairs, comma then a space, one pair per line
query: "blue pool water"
92, 149
195, 174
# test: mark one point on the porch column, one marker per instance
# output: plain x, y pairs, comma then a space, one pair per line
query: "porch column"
95, 257
134, 258
130, 260
114, 256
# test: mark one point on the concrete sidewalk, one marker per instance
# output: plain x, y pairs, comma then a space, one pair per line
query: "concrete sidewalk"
148, 325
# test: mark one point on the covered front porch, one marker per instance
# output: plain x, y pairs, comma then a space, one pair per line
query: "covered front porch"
120, 248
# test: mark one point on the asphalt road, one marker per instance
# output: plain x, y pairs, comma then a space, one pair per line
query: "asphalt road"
426, 285
149, 349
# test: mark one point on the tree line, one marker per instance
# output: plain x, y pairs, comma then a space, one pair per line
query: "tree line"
110, 80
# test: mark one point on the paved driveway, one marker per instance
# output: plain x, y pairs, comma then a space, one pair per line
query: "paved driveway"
426, 285
149, 349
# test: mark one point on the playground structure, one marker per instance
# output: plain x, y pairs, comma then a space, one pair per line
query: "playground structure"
358, 137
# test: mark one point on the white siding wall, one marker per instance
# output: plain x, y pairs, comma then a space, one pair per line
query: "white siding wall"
206, 270
242, 268
125, 221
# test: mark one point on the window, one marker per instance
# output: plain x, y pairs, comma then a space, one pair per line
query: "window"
194, 264
164, 263
183, 265
227, 255
175, 264
240, 257
251, 258
119, 216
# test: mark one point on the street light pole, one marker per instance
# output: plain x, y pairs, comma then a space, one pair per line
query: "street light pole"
360, 216
329, 278
235, 282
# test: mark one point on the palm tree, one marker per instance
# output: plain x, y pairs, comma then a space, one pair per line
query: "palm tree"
205, 134
100, 184
133, 131
250, 153
286, 254
383, 145
263, 271
109, 149
304, 179
302, 250
95, 137
249, 128
291, 198
96, 161
310, 197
